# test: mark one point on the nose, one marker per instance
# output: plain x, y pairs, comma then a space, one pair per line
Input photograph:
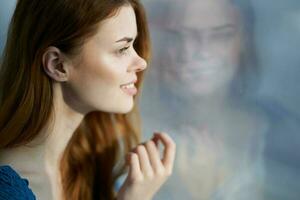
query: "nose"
139, 64
195, 49
205, 50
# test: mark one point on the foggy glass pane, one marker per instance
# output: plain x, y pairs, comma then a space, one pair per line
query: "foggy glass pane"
224, 83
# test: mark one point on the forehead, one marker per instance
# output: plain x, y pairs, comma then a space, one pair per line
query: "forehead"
123, 23
201, 14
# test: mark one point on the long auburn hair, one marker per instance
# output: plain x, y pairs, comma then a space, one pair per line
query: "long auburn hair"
94, 157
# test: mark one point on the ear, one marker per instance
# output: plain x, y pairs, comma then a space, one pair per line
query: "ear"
55, 65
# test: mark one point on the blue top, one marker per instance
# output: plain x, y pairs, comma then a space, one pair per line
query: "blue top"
12, 186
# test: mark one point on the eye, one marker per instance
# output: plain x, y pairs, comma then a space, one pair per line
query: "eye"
123, 50
224, 35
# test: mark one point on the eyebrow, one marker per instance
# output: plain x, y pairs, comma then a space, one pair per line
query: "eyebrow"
126, 39
226, 26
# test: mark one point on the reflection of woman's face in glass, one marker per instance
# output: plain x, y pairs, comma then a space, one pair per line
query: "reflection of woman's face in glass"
203, 47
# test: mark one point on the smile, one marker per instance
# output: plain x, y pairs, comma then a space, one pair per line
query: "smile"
129, 89
127, 86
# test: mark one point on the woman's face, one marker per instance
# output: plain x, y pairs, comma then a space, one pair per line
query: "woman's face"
203, 49
102, 77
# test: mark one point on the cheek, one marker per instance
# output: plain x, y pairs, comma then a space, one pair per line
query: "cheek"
172, 63
227, 55
96, 83
104, 69
233, 52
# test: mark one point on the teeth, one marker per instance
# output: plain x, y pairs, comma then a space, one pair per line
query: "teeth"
128, 86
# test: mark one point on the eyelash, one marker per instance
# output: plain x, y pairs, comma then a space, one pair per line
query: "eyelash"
123, 50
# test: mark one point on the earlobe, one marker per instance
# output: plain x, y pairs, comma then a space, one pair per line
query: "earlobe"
53, 64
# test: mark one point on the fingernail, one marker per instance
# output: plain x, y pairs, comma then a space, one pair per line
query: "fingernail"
156, 133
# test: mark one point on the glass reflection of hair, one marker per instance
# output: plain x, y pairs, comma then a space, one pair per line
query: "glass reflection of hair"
89, 163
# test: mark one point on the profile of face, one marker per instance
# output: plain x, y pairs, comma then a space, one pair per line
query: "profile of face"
203, 47
102, 76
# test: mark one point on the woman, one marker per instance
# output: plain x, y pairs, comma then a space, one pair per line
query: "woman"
68, 116
203, 59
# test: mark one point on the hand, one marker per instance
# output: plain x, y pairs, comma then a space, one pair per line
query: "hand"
199, 162
147, 171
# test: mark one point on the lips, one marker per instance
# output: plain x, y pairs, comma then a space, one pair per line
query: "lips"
129, 88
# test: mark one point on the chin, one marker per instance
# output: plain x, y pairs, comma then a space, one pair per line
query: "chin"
123, 109
118, 107
127, 109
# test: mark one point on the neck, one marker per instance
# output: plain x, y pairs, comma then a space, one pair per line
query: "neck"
201, 109
55, 137
59, 132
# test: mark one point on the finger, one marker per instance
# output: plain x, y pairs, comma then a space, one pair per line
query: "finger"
154, 157
134, 165
169, 150
155, 140
144, 161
